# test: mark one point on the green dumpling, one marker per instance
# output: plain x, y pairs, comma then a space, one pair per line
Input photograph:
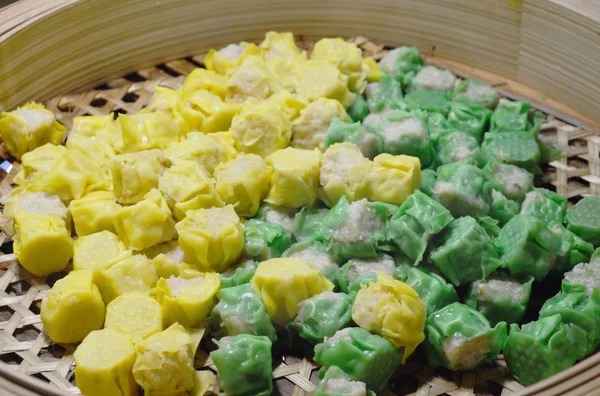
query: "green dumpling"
513, 148
244, 365
435, 292
241, 311
545, 205
458, 146
359, 109
477, 92
308, 223
316, 254
362, 271
460, 338
579, 251
340, 131
430, 101
469, 118
365, 357
279, 215
437, 124
502, 209
511, 117
239, 274
586, 274
322, 316
428, 179
337, 383
543, 348
583, 219
459, 187
264, 240
385, 94
465, 253
401, 61
513, 182
500, 298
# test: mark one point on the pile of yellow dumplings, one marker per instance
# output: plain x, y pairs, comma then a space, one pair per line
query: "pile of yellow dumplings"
157, 202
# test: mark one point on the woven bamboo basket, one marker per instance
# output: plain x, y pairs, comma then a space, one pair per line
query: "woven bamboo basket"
96, 57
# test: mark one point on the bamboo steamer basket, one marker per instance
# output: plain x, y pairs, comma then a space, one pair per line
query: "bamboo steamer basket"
93, 57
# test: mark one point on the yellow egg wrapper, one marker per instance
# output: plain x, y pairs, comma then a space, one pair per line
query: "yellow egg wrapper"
308, 130
164, 362
136, 314
73, 308
125, 274
94, 250
208, 150
285, 68
187, 186
204, 111
392, 179
295, 178
166, 258
38, 161
343, 169
282, 283
371, 69
278, 44
347, 57
135, 174
104, 364
188, 298
202, 79
243, 182
211, 239
148, 130
167, 100
252, 79
145, 224
94, 212
102, 127
28, 128
320, 79
290, 104
42, 243
97, 149
393, 310
218, 61
27, 199
261, 128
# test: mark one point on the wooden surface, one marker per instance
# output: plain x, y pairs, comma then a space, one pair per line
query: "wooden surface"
48, 47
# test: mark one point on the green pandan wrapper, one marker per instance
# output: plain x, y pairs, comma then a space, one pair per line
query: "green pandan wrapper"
244, 365
365, 357
316, 254
578, 307
418, 218
437, 125
490, 225
477, 92
528, 247
239, 274
362, 271
501, 208
385, 94
428, 179
500, 298
322, 316
583, 219
340, 131
430, 101
469, 118
460, 338
355, 229
435, 292
241, 311
513, 182
264, 240
401, 61
337, 383
465, 253
459, 187
512, 117
514, 148
308, 223
579, 250
543, 348
545, 205
359, 109
458, 146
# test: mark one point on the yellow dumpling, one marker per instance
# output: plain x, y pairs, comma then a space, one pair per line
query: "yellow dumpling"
97, 149
285, 68
347, 57
104, 364
206, 112
125, 274
188, 298
167, 258
203, 79
145, 224
252, 79
136, 314
261, 128
320, 79
211, 239
278, 44
308, 130
290, 104
73, 176
167, 100
95, 250
28, 128
372, 71
38, 161
343, 168
295, 177
73, 308
392, 179
42, 243
393, 310
27, 199
148, 130
94, 212
135, 174
224, 60
187, 186
164, 362
275, 278
208, 150
102, 127
243, 182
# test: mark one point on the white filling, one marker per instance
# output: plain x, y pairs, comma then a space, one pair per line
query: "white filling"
388, 62
237, 325
530, 199
281, 216
475, 91
343, 334
308, 132
363, 313
492, 289
585, 274
345, 387
359, 267
361, 223
232, 51
371, 89
178, 285
42, 203
322, 260
36, 119
369, 145
462, 149
464, 353
514, 179
434, 79
337, 165
393, 131
375, 119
